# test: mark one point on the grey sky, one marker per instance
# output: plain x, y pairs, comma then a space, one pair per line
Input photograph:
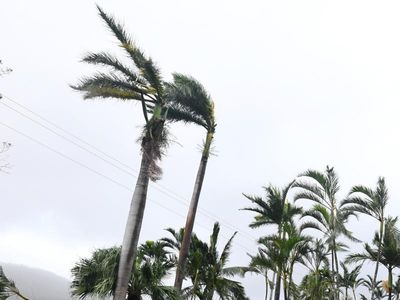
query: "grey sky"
297, 85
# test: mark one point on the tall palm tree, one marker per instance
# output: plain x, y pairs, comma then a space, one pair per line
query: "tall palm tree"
190, 102
274, 210
141, 82
322, 188
372, 203
390, 256
8, 287
97, 275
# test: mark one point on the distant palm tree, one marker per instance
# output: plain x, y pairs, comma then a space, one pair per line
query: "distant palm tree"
207, 269
390, 256
283, 252
367, 282
273, 210
97, 275
322, 188
261, 264
190, 103
316, 285
349, 279
140, 82
8, 287
372, 203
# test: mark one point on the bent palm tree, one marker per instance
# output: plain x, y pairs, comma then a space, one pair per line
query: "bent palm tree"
372, 203
141, 83
97, 275
190, 102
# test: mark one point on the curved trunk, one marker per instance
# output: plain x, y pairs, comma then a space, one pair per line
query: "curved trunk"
377, 259
132, 229
184, 251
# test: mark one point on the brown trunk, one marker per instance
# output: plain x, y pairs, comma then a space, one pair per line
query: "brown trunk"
184, 251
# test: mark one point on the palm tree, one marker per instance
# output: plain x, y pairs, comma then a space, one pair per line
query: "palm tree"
390, 256
141, 82
349, 279
8, 287
261, 264
367, 282
190, 102
97, 275
274, 210
207, 269
316, 284
322, 188
284, 251
372, 203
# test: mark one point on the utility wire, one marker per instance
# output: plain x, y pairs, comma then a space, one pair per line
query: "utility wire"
158, 186
102, 175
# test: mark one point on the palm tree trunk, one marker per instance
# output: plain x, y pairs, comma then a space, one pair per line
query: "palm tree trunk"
377, 259
354, 293
390, 282
285, 286
337, 272
184, 251
266, 286
291, 275
278, 284
132, 229
333, 273
273, 286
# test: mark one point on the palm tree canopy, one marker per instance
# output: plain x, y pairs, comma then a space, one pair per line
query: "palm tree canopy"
188, 101
207, 267
367, 201
274, 209
142, 79
97, 275
318, 187
8, 287
390, 256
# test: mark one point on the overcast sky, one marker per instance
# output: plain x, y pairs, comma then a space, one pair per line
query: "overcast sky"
297, 85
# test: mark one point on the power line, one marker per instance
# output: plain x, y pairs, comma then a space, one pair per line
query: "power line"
166, 191
101, 175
